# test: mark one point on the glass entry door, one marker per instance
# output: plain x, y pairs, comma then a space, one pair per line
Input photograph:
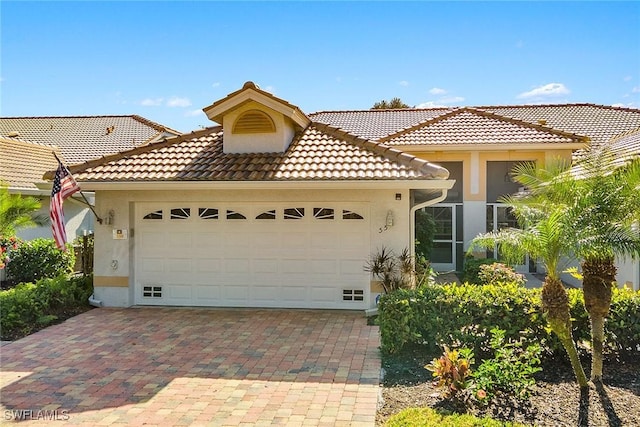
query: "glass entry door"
446, 251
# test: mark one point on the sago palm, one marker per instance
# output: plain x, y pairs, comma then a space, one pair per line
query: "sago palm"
542, 235
602, 207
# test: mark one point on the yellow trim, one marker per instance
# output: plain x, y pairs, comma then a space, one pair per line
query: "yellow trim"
376, 286
111, 281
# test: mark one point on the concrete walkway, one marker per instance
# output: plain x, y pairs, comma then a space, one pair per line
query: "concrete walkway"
172, 366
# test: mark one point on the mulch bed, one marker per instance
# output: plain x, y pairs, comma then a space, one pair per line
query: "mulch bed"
557, 400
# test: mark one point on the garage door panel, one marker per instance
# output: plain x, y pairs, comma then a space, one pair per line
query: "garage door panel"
208, 242
238, 239
179, 265
152, 265
327, 266
351, 267
237, 265
208, 265
177, 240
265, 266
210, 293
239, 293
179, 292
324, 294
293, 266
270, 240
265, 293
294, 293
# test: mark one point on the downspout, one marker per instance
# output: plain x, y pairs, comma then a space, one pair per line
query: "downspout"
412, 219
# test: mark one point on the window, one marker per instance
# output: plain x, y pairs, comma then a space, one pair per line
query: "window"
180, 213
323, 213
352, 295
254, 121
294, 213
350, 215
154, 215
267, 215
152, 291
235, 215
208, 213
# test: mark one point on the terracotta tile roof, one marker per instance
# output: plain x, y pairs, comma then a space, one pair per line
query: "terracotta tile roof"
599, 122
625, 146
23, 162
468, 126
375, 124
318, 153
83, 138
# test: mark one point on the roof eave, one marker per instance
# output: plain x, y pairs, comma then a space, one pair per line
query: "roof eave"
380, 184
492, 147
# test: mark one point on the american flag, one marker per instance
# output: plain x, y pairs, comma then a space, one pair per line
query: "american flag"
63, 186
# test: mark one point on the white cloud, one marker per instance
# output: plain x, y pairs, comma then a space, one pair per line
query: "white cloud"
269, 89
429, 104
451, 100
193, 113
216, 84
151, 102
178, 102
636, 89
437, 91
403, 83
627, 78
545, 91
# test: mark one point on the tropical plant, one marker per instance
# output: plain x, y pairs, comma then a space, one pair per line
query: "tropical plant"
17, 211
542, 236
425, 232
499, 273
452, 370
602, 206
400, 271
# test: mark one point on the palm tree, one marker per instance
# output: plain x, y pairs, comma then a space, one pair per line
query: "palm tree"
17, 212
542, 236
603, 206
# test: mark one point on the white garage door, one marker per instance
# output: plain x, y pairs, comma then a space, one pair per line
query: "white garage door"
303, 255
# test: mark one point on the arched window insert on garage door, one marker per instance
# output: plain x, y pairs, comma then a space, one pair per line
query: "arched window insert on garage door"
323, 213
271, 214
294, 213
153, 215
208, 213
180, 213
350, 215
234, 215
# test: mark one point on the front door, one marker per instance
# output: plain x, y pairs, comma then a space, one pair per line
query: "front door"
447, 241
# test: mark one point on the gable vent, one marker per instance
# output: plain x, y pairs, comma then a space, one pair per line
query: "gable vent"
254, 121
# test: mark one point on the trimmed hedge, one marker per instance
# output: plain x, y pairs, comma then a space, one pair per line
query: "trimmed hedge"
35, 259
463, 315
29, 307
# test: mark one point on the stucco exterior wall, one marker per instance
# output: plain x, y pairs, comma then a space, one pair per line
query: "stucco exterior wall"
113, 259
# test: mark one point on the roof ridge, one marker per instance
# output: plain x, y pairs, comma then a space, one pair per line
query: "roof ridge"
378, 110
164, 142
157, 126
422, 166
421, 124
568, 104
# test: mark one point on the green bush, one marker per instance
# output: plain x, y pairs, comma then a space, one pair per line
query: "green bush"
463, 316
472, 268
39, 258
28, 306
428, 417
499, 273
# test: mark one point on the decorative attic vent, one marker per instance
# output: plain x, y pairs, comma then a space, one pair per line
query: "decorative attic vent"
254, 121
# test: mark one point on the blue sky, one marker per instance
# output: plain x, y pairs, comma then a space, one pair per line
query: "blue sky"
167, 60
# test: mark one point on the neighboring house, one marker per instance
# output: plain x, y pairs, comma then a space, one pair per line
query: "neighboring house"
479, 146
276, 208
27, 145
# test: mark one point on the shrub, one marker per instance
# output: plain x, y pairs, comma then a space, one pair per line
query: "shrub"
428, 417
499, 273
7, 246
472, 268
28, 306
39, 258
463, 316
398, 271
510, 371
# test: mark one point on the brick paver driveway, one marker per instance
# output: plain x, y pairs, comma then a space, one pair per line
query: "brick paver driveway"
172, 366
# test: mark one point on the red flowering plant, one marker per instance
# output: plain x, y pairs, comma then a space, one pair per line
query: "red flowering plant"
7, 244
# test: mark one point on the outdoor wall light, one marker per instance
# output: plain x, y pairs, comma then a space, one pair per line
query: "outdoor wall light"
398, 196
108, 220
388, 222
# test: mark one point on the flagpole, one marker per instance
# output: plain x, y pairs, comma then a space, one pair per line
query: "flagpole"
80, 191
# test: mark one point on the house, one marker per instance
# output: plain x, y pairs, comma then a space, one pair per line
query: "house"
276, 208
27, 145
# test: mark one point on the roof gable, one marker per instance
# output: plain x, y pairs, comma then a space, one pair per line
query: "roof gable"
251, 92
470, 126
